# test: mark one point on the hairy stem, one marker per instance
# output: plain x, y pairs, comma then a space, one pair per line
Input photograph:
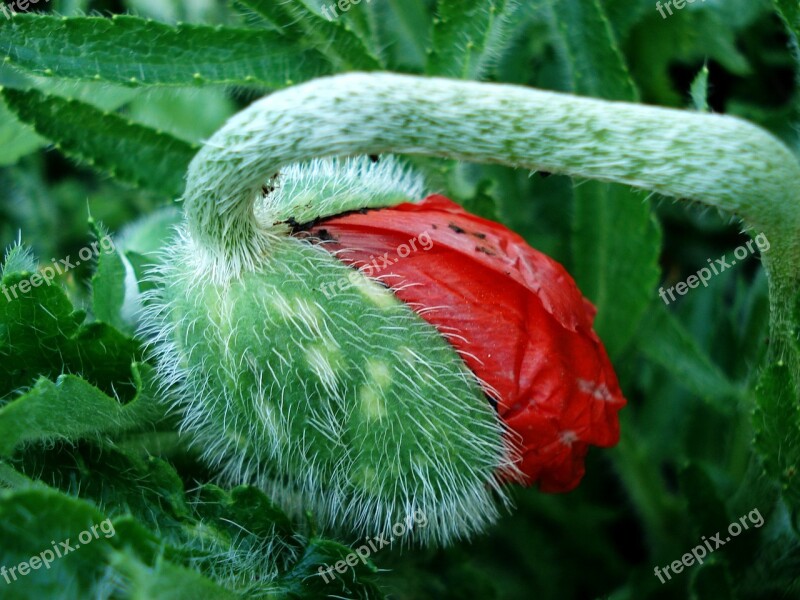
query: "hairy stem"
720, 161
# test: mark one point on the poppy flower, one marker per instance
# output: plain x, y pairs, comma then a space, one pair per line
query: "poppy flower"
514, 315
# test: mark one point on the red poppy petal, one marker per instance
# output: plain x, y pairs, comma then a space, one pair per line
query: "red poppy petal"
515, 316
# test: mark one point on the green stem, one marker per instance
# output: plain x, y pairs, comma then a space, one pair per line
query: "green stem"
721, 161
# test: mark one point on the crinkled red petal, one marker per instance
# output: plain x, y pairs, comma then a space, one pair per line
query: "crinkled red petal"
515, 316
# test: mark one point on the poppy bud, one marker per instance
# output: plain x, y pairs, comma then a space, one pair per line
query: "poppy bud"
514, 315
361, 394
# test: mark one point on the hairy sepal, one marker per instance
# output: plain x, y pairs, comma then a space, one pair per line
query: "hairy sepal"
347, 404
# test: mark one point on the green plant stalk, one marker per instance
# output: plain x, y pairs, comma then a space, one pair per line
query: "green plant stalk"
720, 161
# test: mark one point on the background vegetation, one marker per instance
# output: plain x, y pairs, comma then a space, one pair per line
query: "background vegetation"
98, 120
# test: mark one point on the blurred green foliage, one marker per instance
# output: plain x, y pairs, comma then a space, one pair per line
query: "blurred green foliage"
98, 120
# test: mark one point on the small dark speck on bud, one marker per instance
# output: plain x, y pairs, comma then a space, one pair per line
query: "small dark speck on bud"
456, 228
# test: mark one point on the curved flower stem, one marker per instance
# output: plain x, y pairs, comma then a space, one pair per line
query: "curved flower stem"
720, 161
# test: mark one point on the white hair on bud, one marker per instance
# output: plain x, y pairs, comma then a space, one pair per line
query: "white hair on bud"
330, 186
240, 407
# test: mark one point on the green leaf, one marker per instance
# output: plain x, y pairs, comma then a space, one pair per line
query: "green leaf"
88, 555
469, 36
616, 240
189, 114
355, 18
663, 339
705, 506
403, 29
264, 550
699, 90
106, 141
41, 335
149, 234
595, 64
777, 429
142, 243
121, 481
103, 96
305, 22
136, 51
18, 258
789, 10
624, 14
71, 409
108, 284
11, 478
141, 266
615, 249
166, 581
303, 579
17, 139
483, 202
33, 521
243, 504
687, 37
173, 11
